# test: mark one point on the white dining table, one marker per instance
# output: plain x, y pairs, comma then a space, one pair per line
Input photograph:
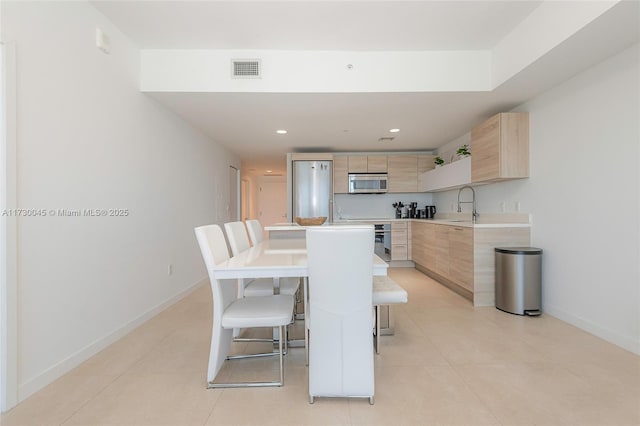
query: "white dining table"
276, 258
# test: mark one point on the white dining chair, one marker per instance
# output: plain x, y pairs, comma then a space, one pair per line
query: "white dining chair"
385, 292
239, 242
229, 312
340, 320
255, 230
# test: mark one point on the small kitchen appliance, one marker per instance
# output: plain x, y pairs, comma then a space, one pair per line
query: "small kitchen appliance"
430, 212
398, 207
412, 211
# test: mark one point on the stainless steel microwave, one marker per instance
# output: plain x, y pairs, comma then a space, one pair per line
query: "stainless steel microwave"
367, 183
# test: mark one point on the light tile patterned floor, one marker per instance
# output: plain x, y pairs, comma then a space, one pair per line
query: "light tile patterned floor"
448, 364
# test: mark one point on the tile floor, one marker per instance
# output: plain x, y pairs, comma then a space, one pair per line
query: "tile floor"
448, 364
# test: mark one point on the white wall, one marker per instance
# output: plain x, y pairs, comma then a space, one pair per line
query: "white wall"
584, 196
88, 139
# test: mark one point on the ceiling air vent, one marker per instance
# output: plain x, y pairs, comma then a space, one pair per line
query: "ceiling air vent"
245, 68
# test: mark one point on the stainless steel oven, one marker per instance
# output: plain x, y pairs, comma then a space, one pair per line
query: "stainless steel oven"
383, 241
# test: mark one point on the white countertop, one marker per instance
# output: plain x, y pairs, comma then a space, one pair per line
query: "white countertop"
452, 222
276, 258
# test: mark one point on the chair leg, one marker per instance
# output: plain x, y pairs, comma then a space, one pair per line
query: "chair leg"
282, 333
283, 336
306, 346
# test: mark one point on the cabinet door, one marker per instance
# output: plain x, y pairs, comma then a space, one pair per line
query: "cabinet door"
399, 241
377, 164
441, 245
429, 246
485, 150
340, 174
402, 172
461, 256
500, 148
418, 242
357, 164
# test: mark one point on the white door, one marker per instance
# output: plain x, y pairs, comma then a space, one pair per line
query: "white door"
272, 202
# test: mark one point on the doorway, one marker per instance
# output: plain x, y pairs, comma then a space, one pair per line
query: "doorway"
272, 201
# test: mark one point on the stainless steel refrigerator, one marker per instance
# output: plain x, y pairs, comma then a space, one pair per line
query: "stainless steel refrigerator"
313, 189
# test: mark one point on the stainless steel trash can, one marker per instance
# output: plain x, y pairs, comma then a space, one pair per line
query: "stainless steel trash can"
518, 280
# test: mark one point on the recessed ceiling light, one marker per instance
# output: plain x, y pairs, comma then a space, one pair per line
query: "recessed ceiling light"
269, 171
394, 130
281, 132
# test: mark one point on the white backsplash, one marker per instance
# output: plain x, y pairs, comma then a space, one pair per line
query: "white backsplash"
364, 206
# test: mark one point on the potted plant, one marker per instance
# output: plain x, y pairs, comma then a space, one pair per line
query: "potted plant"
463, 151
439, 161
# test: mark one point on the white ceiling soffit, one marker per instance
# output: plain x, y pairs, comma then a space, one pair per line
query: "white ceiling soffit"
348, 121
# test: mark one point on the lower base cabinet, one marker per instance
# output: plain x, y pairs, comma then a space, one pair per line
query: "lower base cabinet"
399, 238
462, 258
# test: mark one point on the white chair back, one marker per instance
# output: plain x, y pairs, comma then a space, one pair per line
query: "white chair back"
214, 251
340, 260
237, 235
256, 233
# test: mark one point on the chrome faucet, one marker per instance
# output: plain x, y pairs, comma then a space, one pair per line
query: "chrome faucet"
474, 214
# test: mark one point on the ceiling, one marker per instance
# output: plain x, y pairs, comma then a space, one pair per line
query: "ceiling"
348, 122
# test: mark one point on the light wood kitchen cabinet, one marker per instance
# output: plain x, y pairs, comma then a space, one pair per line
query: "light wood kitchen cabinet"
357, 163
377, 164
422, 243
441, 246
402, 172
367, 163
399, 233
461, 256
340, 174
418, 241
500, 148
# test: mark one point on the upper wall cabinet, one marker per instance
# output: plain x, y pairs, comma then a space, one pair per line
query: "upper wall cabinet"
402, 171
367, 163
500, 148
340, 174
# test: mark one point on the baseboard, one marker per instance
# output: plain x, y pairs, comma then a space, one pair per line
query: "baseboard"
610, 336
56, 371
401, 264
447, 283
